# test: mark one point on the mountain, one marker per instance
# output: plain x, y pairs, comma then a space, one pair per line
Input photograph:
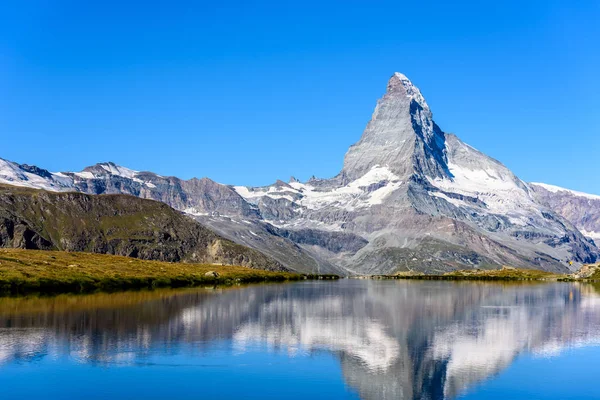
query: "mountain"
424, 200
409, 197
114, 224
216, 206
581, 209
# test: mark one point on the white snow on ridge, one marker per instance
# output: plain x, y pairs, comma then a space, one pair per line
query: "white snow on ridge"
497, 190
195, 211
481, 177
456, 202
84, 175
354, 195
112, 169
591, 234
350, 197
256, 193
119, 171
11, 174
115, 170
558, 189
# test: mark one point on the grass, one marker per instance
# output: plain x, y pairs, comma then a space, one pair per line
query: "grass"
504, 274
114, 224
53, 272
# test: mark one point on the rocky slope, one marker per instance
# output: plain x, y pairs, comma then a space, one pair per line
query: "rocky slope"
409, 197
114, 224
581, 209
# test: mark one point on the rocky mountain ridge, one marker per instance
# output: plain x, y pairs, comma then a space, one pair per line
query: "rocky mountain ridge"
114, 224
581, 209
409, 197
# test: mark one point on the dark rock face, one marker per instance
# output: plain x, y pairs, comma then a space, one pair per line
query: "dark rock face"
336, 242
37, 171
114, 224
17, 234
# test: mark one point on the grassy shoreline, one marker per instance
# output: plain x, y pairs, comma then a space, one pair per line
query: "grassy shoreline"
504, 274
25, 272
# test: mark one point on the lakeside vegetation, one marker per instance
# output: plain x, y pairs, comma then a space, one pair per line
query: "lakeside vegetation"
590, 273
53, 272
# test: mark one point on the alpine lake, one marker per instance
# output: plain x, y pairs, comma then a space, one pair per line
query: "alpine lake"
346, 339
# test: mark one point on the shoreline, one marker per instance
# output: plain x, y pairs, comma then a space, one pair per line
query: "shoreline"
47, 273
588, 273
472, 278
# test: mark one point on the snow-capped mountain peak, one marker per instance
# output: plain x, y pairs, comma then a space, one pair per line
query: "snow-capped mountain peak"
400, 84
107, 168
30, 176
401, 135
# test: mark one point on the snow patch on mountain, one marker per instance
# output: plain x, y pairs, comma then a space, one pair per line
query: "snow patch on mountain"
253, 194
84, 175
194, 211
476, 175
114, 169
500, 194
558, 189
12, 173
591, 234
354, 195
456, 202
369, 190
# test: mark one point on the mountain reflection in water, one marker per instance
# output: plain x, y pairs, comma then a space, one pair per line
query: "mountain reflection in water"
393, 339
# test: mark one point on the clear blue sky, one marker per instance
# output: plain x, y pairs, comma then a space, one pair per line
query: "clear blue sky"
248, 92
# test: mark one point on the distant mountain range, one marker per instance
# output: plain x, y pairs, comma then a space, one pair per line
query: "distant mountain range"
114, 224
409, 197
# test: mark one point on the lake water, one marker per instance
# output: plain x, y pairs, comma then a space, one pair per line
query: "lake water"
351, 339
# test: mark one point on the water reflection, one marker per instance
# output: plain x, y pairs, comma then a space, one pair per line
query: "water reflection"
394, 340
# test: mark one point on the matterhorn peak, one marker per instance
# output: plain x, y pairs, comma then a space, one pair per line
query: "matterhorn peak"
401, 134
399, 84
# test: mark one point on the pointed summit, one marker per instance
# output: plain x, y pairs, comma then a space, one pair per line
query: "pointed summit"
400, 136
400, 84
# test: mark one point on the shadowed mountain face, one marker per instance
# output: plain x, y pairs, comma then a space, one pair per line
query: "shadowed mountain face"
392, 340
409, 197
